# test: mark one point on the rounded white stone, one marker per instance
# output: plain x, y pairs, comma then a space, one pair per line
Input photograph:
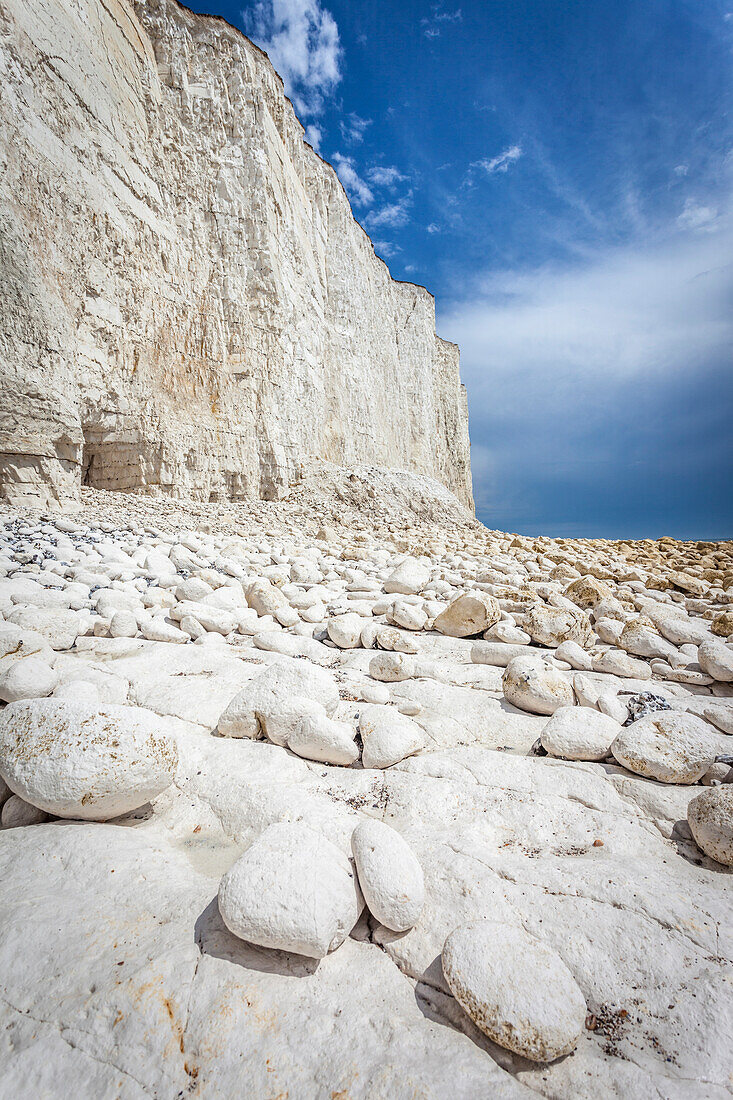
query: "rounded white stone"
345, 630
710, 817
193, 589
716, 658
159, 630
264, 597
669, 746
388, 736
618, 663
469, 615
392, 667
79, 691
575, 656
531, 685
273, 702
318, 737
17, 812
390, 875
59, 627
407, 615
551, 626
720, 716
409, 578
123, 624
579, 733
293, 890
392, 640
515, 989
29, 678
82, 762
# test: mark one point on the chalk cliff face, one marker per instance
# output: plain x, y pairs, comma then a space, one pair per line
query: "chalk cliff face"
187, 304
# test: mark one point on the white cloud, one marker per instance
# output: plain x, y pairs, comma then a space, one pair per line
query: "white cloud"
386, 249
394, 214
500, 163
314, 136
582, 376
433, 228
353, 128
356, 188
629, 312
302, 41
695, 216
439, 17
385, 176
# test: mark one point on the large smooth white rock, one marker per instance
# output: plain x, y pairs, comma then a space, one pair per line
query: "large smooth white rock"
265, 598
551, 626
390, 668
30, 678
318, 737
577, 657
387, 736
273, 702
588, 591
469, 615
515, 989
682, 630
390, 875
218, 620
669, 746
616, 662
720, 716
407, 615
531, 685
59, 627
293, 890
579, 733
123, 624
639, 638
710, 817
716, 659
496, 653
345, 630
409, 578
76, 761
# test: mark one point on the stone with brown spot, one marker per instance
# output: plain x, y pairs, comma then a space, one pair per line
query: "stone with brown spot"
515, 989
75, 760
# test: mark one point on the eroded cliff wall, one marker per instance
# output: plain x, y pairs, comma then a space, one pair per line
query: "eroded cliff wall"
187, 304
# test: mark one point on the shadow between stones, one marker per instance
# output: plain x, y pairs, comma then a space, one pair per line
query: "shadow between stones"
212, 937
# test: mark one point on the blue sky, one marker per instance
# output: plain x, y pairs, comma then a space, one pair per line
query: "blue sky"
559, 173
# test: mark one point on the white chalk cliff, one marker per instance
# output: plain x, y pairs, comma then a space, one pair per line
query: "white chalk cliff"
187, 304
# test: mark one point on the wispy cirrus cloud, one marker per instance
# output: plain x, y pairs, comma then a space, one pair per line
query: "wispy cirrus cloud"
314, 136
393, 215
695, 215
500, 163
433, 24
386, 249
385, 175
356, 188
353, 128
301, 39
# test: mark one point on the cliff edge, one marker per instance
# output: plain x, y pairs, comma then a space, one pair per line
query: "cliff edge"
187, 304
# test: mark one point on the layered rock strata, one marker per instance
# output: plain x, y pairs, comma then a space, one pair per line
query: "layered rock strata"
188, 305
